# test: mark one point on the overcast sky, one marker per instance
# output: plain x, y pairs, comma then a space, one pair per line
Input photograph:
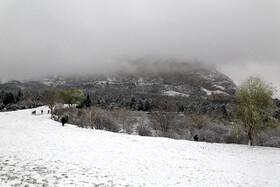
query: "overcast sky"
40, 37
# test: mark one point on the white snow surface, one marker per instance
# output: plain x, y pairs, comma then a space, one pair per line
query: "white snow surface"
209, 92
220, 87
36, 151
174, 93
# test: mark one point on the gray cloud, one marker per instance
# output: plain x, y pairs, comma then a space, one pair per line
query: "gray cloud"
240, 37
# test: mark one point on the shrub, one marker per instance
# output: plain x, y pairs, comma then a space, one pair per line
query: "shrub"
12, 107
198, 120
272, 142
2, 106
106, 122
269, 138
143, 130
232, 137
125, 118
206, 135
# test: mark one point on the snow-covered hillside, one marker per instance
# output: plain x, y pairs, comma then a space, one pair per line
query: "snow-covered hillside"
172, 78
37, 151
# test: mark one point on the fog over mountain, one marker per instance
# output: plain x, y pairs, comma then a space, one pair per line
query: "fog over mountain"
38, 38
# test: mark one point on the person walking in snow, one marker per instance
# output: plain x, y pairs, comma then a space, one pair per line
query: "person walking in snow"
64, 120
195, 138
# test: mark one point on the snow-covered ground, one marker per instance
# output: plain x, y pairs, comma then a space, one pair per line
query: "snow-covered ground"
36, 151
209, 92
174, 93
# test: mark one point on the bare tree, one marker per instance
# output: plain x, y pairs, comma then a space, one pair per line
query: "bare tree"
49, 98
92, 113
166, 113
164, 119
198, 120
126, 118
28, 96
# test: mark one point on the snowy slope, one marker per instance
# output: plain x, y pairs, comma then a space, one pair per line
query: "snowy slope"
172, 78
38, 151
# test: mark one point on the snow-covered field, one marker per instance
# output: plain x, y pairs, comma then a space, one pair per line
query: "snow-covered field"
36, 151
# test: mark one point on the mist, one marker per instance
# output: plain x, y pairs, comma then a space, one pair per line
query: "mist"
66, 37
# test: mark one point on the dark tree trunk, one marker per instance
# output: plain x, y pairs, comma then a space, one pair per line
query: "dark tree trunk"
250, 136
51, 110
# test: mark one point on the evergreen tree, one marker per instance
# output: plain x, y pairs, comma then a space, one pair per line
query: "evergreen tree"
87, 101
19, 96
9, 98
139, 106
146, 105
132, 103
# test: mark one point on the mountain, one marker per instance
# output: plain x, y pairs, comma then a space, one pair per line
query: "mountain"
173, 79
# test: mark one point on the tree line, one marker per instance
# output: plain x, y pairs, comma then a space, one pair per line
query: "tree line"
252, 110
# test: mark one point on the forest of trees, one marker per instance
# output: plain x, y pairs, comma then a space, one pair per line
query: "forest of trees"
252, 116
15, 100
